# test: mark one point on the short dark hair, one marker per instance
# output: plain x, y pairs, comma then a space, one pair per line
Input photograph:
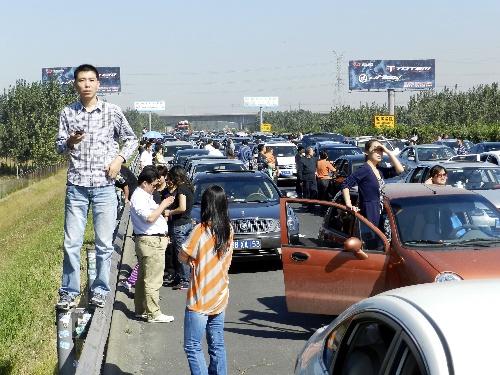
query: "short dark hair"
323, 154
300, 148
261, 146
244, 142
148, 174
85, 68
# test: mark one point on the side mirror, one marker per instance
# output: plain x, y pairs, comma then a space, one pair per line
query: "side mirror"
289, 193
353, 245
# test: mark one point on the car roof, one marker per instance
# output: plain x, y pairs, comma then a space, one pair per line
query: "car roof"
222, 160
333, 144
280, 143
444, 315
177, 143
193, 151
230, 175
428, 145
402, 190
464, 164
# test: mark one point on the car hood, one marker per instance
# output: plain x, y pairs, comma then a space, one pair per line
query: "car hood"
245, 210
469, 264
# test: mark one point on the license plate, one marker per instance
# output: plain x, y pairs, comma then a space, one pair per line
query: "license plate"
286, 172
247, 244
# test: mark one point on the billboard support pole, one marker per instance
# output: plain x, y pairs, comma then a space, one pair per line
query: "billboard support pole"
390, 100
261, 116
149, 120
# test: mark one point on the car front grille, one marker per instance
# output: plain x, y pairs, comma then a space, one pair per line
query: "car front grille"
252, 225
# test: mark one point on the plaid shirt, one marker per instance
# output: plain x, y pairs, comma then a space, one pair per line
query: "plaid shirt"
103, 128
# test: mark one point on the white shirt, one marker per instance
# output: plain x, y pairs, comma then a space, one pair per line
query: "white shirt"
141, 206
215, 151
146, 158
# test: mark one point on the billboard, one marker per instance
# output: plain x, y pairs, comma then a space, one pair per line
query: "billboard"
260, 101
392, 74
109, 77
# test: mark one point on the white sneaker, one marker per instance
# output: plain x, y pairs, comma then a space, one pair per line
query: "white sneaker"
162, 318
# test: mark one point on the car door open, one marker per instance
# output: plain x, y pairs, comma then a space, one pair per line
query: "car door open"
336, 259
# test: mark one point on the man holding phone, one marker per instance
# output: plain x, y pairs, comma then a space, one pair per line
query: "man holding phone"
89, 131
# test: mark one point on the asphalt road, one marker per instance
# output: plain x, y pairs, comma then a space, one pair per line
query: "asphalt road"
261, 336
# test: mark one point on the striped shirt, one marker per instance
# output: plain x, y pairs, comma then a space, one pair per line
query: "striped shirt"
104, 126
209, 284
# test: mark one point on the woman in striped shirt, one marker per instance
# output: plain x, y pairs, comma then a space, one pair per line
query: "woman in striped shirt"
208, 250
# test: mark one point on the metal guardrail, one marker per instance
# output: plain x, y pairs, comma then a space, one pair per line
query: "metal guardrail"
71, 325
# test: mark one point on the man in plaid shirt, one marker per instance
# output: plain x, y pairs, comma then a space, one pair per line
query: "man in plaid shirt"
89, 131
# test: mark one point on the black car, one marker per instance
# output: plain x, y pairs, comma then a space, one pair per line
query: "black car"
336, 150
310, 139
182, 155
481, 147
347, 164
254, 209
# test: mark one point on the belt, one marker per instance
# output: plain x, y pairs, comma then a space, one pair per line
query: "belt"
152, 235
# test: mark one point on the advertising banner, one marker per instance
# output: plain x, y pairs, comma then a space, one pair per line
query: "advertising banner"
392, 74
108, 76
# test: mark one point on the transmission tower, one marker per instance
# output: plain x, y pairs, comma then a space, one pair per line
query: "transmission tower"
338, 94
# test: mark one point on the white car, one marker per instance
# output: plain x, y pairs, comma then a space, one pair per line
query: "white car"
438, 328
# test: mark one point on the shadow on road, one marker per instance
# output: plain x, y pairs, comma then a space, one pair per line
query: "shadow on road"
276, 322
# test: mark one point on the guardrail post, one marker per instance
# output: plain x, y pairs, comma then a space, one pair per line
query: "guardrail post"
65, 344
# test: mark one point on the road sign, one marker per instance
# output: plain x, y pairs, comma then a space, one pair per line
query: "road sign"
384, 121
260, 101
150, 106
265, 127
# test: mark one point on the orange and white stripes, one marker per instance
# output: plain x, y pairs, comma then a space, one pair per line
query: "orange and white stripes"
208, 291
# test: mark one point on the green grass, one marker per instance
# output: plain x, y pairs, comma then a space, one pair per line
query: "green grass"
31, 234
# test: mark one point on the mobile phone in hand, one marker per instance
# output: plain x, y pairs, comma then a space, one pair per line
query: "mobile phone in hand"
79, 132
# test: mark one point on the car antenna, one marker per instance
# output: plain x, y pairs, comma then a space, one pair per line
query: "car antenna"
430, 188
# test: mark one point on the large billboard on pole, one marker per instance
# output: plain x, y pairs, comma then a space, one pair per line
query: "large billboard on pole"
392, 74
108, 76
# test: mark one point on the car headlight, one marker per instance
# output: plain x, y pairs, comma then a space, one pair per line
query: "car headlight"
447, 276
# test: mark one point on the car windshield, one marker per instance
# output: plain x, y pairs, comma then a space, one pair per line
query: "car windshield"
284, 150
172, 150
443, 221
325, 137
240, 190
474, 178
335, 153
428, 154
493, 147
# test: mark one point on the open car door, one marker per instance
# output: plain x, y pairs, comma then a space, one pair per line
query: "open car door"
321, 277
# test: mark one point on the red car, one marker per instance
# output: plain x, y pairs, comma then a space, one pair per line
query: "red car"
429, 234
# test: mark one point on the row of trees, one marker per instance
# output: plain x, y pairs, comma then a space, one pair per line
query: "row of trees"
29, 117
473, 115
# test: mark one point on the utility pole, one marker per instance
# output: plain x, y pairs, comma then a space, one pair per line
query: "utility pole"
338, 98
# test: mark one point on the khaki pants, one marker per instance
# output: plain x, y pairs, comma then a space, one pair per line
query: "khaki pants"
150, 252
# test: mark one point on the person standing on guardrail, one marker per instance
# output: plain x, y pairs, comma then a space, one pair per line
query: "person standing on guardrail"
151, 240
89, 131
208, 251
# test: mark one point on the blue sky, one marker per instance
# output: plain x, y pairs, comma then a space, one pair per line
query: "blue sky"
205, 56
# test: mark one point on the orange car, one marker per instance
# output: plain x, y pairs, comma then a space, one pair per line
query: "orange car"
429, 234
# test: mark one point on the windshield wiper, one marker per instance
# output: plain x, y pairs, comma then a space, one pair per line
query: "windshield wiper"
482, 242
425, 241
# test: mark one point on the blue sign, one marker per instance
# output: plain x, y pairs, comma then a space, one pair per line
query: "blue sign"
109, 78
392, 74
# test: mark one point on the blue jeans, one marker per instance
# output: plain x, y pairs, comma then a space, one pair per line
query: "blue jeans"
104, 202
180, 235
195, 324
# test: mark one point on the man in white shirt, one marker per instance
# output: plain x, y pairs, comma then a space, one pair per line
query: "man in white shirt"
147, 156
151, 240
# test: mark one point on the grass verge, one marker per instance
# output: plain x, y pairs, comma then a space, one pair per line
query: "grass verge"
31, 235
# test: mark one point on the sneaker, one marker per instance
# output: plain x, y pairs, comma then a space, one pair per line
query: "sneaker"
162, 318
66, 302
125, 284
181, 286
141, 316
171, 281
168, 279
98, 299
